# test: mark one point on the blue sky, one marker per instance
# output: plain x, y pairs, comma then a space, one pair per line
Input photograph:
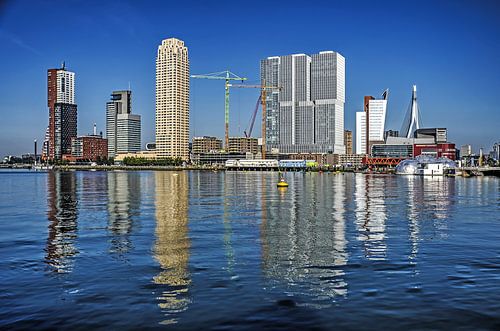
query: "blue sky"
450, 49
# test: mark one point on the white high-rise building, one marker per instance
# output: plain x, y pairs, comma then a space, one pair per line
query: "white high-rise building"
172, 99
307, 114
65, 86
360, 132
375, 110
123, 129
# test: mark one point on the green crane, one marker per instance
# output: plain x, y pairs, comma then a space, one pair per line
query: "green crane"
227, 76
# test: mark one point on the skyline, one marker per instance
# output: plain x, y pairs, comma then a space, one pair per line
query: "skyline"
452, 63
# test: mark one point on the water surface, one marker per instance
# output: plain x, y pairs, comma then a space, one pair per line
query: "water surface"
215, 250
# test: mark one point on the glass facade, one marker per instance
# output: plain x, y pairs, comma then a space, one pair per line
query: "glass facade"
392, 151
307, 114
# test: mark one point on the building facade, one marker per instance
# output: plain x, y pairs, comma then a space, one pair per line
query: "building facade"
465, 150
307, 114
440, 135
242, 145
91, 148
351, 160
123, 129
172, 99
370, 123
360, 132
437, 150
62, 113
390, 133
377, 112
65, 128
206, 144
348, 141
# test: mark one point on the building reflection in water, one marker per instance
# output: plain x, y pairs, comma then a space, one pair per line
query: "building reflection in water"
303, 236
62, 214
428, 208
371, 214
124, 202
171, 247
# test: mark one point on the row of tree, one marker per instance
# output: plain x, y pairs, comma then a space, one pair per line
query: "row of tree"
141, 161
98, 161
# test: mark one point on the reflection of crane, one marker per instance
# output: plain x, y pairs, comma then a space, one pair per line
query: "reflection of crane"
252, 120
263, 94
227, 76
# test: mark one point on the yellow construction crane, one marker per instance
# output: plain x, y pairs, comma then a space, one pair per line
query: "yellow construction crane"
263, 94
227, 76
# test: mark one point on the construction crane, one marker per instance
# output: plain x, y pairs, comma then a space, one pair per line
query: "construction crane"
227, 76
252, 120
263, 94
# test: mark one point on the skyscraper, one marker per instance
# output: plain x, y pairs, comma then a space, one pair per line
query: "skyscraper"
123, 129
62, 113
307, 114
370, 123
360, 132
172, 99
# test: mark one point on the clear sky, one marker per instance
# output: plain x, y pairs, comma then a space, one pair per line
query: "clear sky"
449, 49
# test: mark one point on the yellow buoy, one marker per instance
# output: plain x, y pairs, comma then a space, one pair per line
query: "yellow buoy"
282, 183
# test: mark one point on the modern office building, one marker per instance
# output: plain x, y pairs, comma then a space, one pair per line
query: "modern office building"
370, 123
307, 114
172, 99
123, 129
348, 141
206, 144
62, 113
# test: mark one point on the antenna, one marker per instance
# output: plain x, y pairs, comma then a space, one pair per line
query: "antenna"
129, 86
95, 129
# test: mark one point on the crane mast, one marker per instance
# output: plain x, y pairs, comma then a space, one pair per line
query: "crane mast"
227, 76
263, 96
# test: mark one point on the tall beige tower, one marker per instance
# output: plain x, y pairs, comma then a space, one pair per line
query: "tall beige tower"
172, 99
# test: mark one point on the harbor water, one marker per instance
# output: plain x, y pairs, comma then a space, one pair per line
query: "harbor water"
231, 251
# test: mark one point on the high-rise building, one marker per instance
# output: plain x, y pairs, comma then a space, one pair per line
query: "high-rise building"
370, 124
62, 113
348, 141
307, 114
360, 132
172, 99
123, 129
